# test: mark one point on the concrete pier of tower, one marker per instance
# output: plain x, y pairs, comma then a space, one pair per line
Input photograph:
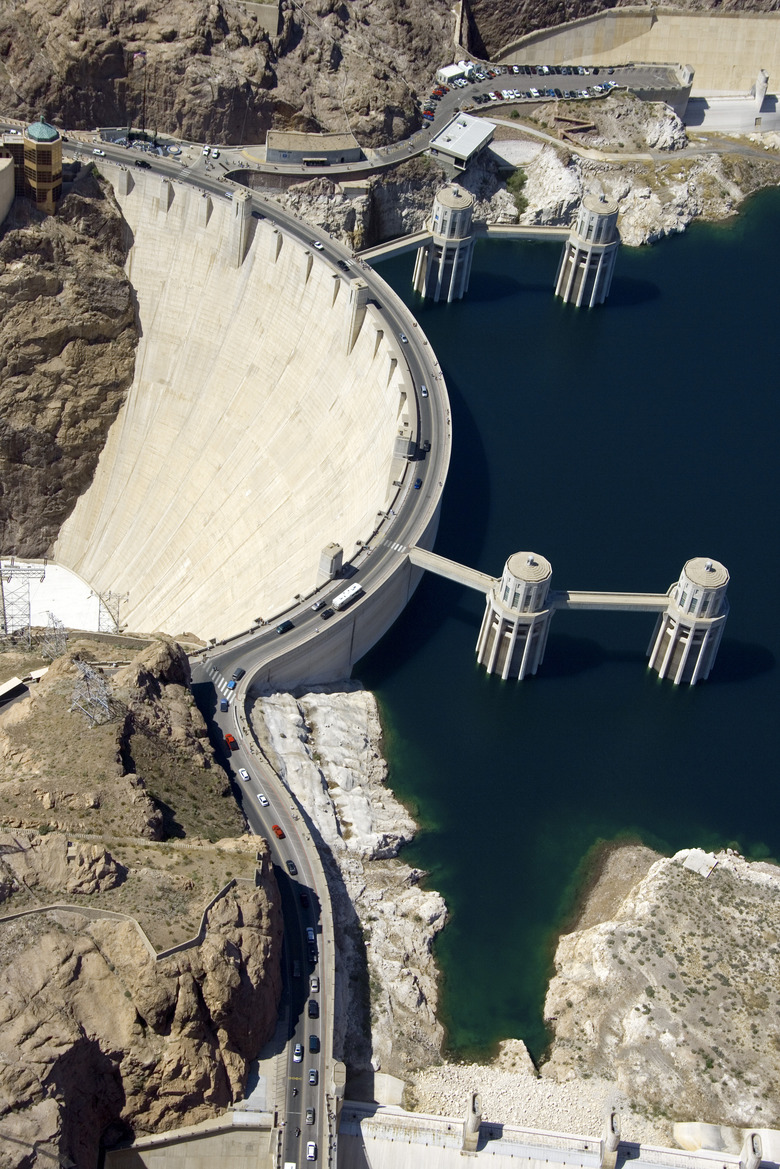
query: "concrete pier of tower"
443, 265
588, 259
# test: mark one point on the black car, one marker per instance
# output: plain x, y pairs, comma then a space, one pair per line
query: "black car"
314, 1009
284, 627
312, 953
304, 899
143, 164
326, 614
238, 673
343, 265
291, 869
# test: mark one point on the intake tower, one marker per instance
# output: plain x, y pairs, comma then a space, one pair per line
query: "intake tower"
589, 254
443, 264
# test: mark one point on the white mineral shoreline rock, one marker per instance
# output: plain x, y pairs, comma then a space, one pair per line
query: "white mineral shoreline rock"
325, 746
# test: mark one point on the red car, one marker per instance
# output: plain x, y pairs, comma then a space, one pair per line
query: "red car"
232, 745
277, 831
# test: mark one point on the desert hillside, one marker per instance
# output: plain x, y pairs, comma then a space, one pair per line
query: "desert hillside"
132, 815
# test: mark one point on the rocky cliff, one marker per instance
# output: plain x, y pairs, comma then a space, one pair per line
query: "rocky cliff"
674, 995
207, 71
100, 1042
67, 353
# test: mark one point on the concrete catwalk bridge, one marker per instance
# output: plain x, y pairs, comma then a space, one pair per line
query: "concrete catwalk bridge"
418, 239
561, 599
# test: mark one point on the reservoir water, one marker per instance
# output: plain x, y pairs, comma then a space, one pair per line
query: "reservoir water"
618, 443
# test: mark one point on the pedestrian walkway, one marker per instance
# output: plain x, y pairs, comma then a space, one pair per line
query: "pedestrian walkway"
221, 684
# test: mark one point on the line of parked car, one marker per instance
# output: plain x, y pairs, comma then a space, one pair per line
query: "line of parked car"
535, 93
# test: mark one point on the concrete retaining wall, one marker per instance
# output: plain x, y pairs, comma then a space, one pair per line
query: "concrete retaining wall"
726, 49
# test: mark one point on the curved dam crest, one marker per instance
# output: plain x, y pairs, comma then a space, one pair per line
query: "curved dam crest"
249, 440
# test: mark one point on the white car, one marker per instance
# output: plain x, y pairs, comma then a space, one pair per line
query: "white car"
262, 800
298, 1053
101, 153
242, 771
311, 1151
206, 151
215, 154
315, 243
424, 391
404, 338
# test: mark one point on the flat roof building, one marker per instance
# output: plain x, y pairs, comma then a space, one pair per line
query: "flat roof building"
311, 149
449, 73
461, 140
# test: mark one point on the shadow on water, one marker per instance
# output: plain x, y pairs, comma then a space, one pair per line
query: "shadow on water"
738, 661
628, 292
567, 656
490, 288
467, 499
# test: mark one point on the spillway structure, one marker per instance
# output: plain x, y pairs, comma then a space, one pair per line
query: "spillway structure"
443, 264
260, 430
588, 259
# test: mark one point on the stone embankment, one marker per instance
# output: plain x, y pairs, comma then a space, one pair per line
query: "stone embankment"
325, 746
512, 1092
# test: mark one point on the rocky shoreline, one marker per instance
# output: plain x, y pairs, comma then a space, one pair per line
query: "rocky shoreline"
325, 744
651, 974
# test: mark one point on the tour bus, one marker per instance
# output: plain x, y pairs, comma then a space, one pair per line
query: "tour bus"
347, 597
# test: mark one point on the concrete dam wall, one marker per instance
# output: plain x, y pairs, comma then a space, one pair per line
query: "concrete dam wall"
250, 438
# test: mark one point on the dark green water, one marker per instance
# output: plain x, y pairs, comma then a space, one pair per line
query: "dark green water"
618, 443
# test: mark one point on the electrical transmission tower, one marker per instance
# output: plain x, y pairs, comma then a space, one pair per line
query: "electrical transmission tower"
55, 639
15, 595
109, 609
91, 694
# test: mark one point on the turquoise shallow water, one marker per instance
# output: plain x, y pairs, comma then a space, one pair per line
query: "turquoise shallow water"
618, 443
